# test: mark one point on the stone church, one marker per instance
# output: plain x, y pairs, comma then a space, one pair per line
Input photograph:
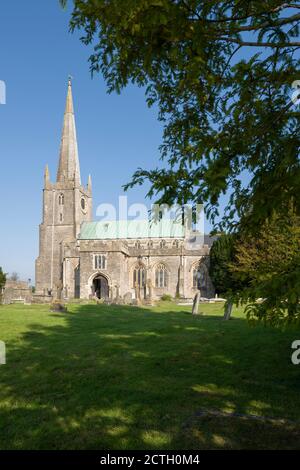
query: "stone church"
112, 260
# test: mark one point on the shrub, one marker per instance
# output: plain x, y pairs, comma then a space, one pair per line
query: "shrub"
58, 306
166, 298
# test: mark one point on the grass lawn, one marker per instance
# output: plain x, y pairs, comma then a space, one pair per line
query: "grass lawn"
118, 377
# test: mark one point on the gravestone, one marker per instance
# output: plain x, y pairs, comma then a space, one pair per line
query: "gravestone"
196, 303
128, 298
2, 353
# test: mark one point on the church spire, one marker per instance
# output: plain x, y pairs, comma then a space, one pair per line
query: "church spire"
68, 169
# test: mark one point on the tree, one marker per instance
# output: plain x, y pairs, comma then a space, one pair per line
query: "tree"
2, 282
222, 255
270, 263
14, 276
222, 74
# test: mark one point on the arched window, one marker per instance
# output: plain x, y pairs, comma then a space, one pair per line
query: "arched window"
199, 276
61, 199
137, 244
175, 243
161, 276
139, 276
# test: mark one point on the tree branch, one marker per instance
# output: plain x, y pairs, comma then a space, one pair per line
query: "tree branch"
279, 22
268, 12
260, 44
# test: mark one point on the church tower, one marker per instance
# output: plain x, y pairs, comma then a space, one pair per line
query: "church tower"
66, 204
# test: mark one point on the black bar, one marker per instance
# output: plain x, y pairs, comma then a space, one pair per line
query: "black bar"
134, 459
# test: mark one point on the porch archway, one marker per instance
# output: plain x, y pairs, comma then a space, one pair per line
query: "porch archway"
100, 287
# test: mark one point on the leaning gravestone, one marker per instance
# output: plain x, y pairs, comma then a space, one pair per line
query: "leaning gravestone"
196, 304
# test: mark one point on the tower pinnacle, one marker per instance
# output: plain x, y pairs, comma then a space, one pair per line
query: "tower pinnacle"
89, 186
68, 169
46, 174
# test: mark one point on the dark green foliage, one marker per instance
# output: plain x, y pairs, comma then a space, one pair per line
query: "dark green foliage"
270, 261
222, 258
221, 73
2, 283
221, 254
2, 279
166, 298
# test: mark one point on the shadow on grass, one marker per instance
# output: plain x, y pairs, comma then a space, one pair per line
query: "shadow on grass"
117, 377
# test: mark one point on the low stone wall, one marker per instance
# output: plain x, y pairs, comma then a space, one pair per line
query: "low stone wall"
42, 299
16, 292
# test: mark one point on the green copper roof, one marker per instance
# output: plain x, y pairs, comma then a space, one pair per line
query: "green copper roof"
165, 228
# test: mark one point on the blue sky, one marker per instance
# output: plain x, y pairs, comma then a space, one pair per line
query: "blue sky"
116, 133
